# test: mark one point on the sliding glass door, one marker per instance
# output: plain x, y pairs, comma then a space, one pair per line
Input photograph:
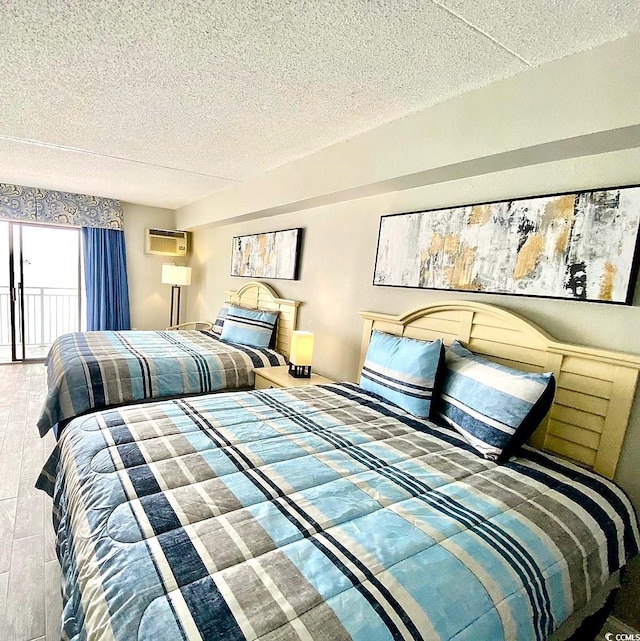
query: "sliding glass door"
44, 297
5, 296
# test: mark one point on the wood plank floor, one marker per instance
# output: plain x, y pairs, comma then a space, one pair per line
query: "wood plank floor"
30, 603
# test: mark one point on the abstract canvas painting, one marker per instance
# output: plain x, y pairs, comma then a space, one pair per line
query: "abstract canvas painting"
579, 246
273, 254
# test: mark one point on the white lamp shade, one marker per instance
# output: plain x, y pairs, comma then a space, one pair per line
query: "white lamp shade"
301, 350
176, 275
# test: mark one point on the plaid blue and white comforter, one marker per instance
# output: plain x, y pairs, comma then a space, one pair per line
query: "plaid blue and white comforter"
94, 370
319, 513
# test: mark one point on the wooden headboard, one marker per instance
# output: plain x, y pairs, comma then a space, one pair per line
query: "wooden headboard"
595, 388
261, 296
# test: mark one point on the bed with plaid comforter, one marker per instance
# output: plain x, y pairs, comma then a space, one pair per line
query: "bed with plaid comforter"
319, 513
95, 370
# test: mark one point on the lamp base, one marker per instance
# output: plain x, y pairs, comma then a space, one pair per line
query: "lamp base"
174, 311
300, 371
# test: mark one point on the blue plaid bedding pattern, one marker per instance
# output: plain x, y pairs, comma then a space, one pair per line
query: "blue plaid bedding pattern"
319, 513
95, 370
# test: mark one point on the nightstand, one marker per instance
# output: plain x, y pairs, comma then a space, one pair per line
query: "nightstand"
267, 377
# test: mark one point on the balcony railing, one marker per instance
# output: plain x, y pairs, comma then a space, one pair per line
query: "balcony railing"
48, 313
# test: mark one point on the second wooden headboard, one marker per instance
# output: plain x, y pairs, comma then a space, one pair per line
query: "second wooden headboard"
262, 296
595, 387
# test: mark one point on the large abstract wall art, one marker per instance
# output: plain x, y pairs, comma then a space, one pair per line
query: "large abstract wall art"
273, 254
579, 246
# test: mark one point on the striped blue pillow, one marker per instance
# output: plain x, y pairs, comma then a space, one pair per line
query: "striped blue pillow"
222, 315
402, 370
248, 326
495, 408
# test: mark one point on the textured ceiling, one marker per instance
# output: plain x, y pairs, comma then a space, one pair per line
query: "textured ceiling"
162, 102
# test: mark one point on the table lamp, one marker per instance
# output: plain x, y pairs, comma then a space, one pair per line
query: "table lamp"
300, 354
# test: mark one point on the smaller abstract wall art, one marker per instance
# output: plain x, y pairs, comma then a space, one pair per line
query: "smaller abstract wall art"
273, 254
579, 246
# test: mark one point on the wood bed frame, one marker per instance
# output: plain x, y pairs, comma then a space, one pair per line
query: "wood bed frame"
261, 296
595, 387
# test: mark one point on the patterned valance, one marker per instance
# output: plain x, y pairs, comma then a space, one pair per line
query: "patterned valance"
35, 205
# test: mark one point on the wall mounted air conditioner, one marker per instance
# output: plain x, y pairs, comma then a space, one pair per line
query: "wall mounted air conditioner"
166, 242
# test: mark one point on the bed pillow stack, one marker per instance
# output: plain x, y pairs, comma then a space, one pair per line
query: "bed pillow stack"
495, 408
403, 371
222, 315
251, 327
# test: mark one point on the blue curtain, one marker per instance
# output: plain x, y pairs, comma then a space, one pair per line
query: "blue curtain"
105, 269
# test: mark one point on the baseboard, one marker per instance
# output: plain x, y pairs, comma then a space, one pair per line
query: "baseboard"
613, 627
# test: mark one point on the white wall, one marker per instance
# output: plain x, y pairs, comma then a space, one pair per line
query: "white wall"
337, 270
570, 125
148, 297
